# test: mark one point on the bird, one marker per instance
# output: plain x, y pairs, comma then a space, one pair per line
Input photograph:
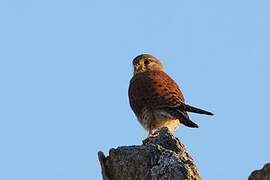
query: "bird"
156, 99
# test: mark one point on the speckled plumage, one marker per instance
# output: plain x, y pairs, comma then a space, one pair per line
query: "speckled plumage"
155, 98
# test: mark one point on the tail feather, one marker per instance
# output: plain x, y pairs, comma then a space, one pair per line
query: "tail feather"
196, 110
182, 116
188, 123
184, 119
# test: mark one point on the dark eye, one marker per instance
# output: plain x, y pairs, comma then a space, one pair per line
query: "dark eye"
146, 62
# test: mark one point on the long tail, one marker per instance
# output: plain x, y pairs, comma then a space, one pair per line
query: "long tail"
196, 110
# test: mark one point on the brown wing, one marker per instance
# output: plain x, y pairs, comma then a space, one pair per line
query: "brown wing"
154, 89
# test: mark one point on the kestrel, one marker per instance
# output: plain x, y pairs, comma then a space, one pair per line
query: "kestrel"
156, 99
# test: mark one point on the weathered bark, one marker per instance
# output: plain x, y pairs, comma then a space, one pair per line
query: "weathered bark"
262, 174
161, 157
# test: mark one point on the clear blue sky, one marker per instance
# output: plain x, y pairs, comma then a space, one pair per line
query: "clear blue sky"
65, 68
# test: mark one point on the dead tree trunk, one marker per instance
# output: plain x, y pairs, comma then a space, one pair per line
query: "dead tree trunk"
162, 157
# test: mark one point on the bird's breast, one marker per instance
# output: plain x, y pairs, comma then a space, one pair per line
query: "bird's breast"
148, 92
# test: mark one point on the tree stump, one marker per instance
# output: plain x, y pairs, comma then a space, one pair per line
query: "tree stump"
161, 157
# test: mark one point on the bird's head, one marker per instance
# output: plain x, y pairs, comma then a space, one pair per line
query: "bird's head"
146, 62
